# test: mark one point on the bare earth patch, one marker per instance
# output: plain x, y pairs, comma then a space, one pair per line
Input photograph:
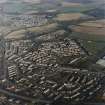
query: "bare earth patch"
68, 4
32, 1
69, 16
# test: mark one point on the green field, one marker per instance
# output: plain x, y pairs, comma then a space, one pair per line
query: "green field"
93, 43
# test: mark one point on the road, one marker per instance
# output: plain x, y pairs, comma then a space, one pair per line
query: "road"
7, 93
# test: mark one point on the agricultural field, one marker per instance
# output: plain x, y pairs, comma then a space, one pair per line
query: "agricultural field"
92, 33
92, 28
69, 16
38, 30
67, 4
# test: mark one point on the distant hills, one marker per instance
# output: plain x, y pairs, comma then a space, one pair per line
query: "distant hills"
51, 1
85, 1
79, 1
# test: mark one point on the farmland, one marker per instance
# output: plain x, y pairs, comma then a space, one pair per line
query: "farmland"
96, 28
69, 16
39, 30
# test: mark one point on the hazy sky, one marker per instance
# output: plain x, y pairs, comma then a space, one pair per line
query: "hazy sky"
2, 1
32, 1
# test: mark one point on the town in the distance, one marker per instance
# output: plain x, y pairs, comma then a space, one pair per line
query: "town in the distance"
52, 52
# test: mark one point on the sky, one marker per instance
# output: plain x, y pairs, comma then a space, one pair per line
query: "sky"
37, 1
2, 1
